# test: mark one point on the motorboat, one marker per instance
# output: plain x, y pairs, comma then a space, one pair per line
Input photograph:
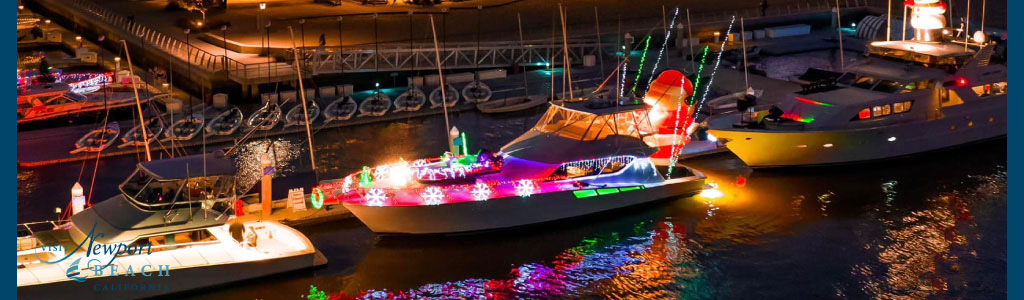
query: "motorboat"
225, 123
512, 104
730, 101
265, 118
185, 129
375, 105
584, 93
906, 97
133, 138
340, 109
579, 159
61, 100
294, 116
97, 140
411, 100
476, 92
171, 229
451, 96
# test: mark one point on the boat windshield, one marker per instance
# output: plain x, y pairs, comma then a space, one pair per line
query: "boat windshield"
148, 191
587, 126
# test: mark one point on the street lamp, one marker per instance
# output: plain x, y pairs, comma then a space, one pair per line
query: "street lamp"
199, 24
79, 39
117, 64
259, 15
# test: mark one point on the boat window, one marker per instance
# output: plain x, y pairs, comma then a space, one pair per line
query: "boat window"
865, 82
991, 89
889, 86
592, 167
883, 110
949, 98
846, 79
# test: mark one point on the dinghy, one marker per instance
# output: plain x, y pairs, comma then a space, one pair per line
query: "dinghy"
134, 136
412, 100
450, 93
476, 92
265, 118
97, 139
341, 109
225, 123
512, 104
294, 116
185, 129
376, 105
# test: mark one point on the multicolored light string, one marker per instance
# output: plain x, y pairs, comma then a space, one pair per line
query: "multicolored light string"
664, 45
718, 62
640, 70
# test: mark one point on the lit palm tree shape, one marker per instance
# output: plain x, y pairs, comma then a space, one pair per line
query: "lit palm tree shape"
524, 188
481, 191
375, 197
432, 195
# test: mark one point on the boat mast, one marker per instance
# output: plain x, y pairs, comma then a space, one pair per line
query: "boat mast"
138, 103
565, 51
743, 38
302, 94
522, 44
440, 74
839, 31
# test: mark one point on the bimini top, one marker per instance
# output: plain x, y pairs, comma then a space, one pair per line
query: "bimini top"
189, 166
926, 53
584, 129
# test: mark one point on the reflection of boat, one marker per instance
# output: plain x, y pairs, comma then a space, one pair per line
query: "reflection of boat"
97, 139
376, 105
576, 161
225, 123
451, 96
340, 109
907, 97
411, 100
134, 136
512, 104
476, 92
168, 218
185, 129
265, 118
294, 116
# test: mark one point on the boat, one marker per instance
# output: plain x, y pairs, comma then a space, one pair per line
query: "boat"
97, 140
70, 101
185, 129
375, 105
512, 104
225, 123
906, 97
729, 101
411, 100
340, 109
176, 231
575, 161
586, 93
294, 116
265, 118
133, 138
476, 92
450, 93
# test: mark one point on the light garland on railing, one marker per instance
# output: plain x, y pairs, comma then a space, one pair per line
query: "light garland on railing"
597, 163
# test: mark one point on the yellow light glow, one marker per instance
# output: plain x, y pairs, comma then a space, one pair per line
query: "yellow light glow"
711, 191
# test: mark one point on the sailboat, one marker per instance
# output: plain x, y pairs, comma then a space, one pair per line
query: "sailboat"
411, 100
133, 137
265, 118
225, 123
340, 109
294, 116
185, 129
476, 92
97, 140
450, 93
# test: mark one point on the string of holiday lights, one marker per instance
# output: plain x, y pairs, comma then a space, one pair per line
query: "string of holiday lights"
640, 69
718, 62
664, 44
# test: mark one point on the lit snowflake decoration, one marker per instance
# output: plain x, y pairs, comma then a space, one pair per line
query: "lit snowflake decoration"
524, 188
481, 191
375, 197
346, 186
432, 195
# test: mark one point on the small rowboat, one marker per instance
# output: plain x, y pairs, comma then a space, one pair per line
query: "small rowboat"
185, 129
294, 116
476, 92
512, 104
341, 109
97, 139
376, 105
134, 136
450, 93
412, 100
265, 118
225, 123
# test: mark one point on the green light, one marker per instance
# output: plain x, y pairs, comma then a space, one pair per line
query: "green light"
631, 188
316, 198
640, 70
465, 149
607, 191
584, 193
364, 177
700, 70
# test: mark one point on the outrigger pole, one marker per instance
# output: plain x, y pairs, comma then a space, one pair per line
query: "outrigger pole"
138, 103
440, 76
302, 93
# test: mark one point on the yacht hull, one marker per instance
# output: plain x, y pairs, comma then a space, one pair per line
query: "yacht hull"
508, 212
762, 149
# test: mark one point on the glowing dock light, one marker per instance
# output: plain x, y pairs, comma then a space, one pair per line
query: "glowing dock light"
892, 139
481, 191
524, 188
375, 197
711, 191
432, 195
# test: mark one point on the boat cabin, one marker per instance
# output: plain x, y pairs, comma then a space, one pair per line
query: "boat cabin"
176, 182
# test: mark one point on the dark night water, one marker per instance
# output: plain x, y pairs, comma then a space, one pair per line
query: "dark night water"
932, 225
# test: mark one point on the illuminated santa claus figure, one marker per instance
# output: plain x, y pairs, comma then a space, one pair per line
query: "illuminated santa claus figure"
926, 18
667, 97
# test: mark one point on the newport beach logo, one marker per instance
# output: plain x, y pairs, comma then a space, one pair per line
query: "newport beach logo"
94, 251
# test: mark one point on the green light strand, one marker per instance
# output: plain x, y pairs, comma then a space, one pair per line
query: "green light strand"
700, 70
640, 70
465, 148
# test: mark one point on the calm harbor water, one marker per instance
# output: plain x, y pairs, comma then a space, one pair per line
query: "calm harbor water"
931, 225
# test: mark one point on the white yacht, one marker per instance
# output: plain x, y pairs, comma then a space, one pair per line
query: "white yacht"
906, 97
170, 230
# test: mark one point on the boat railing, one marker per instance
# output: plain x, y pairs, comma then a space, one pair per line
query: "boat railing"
27, 240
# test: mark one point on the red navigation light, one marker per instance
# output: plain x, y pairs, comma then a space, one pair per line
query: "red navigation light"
962, 81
